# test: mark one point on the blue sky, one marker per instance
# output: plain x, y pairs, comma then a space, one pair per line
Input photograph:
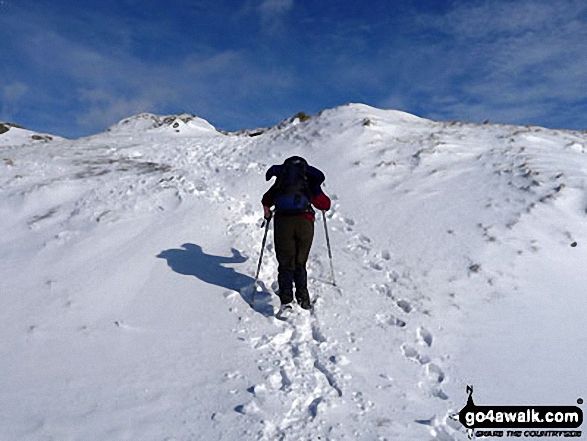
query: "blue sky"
73, 67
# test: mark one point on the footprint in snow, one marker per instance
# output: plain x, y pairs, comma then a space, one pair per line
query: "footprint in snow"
249, 408
434, 373
412, 354
439, 393
313, 407
317, 334
404, 305
349, 222
424, 336
433, 377
389, 320
377, 266
438, 429
383, 289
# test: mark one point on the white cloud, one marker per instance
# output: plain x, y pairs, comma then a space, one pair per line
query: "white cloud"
509, 61
12, 94
102, 108
476, 21
101, 87
276, 7
273, 12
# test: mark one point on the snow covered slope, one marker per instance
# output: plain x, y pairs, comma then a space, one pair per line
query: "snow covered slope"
126, 261
13, 135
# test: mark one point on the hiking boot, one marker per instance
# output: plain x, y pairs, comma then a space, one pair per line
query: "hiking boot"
303, 299
284, 312
285, 297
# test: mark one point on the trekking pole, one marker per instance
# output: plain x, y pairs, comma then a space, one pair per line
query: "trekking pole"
266, 223
328, 245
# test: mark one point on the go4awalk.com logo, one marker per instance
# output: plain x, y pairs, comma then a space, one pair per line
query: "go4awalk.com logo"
546, 422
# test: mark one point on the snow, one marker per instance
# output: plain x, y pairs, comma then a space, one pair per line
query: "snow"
127, 259
15, 136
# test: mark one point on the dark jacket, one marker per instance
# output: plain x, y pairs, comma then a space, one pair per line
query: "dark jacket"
318, 200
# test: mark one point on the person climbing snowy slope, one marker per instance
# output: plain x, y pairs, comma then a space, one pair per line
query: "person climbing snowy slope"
295, 191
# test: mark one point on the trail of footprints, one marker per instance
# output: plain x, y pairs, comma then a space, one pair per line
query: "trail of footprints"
303, 370
359, 246
301, 375
397, 315
299, 367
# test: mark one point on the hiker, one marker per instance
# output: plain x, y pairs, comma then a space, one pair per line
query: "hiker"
295, 191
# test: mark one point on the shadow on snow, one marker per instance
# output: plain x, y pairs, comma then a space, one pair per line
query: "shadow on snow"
191, 260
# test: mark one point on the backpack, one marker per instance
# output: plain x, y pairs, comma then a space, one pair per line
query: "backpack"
292, 190
295, 185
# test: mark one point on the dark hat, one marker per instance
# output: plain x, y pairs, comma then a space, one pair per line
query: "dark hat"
295, 160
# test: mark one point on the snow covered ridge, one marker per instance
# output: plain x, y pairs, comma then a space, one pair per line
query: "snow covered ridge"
5, 127
459, 251
13, 134
351, 111
147, 121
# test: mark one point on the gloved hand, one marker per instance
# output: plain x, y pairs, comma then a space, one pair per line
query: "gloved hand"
268, 213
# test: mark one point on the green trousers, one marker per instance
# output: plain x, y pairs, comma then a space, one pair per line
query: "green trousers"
293, 239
